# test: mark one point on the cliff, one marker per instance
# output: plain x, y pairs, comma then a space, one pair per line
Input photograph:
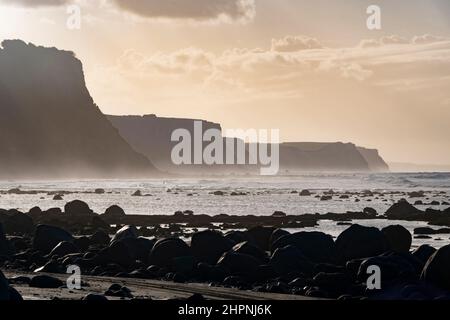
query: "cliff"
373, 158
50, 126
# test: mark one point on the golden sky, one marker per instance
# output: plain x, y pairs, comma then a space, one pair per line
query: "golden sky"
310, 68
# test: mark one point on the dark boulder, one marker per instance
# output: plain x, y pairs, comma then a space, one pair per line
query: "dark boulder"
47, 237
276, 234
78, 208
260, 236
360, 242
208, 246
290, 259
139, 248
305, 193
114, 212
424, 252
237, 236
64, 248
370, 212
399, 239
437, 268
251, 250
18, 223
45, 282
239, 264
35, 211
402, 210
95, 298
8, 293
165, 251
100, 238
316, 246
119, 253
125, 232
5, 246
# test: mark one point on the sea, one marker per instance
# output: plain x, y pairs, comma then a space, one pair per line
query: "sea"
258, 196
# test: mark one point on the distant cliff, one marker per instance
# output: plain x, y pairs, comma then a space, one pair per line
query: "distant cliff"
151, 135
49, 124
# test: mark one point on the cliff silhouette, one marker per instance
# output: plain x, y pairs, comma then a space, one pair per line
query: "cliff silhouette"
50, 126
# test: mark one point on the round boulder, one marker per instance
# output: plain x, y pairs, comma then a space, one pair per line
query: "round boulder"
165, 251
114, 212
64, 248
125, 232
260, 236
47, 237
77, 208
437, 268
208, 246
399, 239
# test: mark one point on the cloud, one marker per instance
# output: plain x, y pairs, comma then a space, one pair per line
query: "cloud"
295, 43
36, 3
395, 39
197, 10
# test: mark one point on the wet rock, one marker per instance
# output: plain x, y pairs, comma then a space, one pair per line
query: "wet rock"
78, 208
35, 211
430, 231
18, 223
305, 193
82, 243
437, 268
117, 290
398, 237
95, 298
289, 259
114, 212
261, 236
45, 282
51, 267
371, 212
424, 252
276, 234
5, 246
8, 293
360, 242
118, 252
402, 210
237, 236
239, 264
99, 191
58, 197
125, 232
64, 248
137, 193
326, 198
47, 237
208, 246
100, 238
316, 246
279, 214
218, 193
165, 251
416, 194
251, 250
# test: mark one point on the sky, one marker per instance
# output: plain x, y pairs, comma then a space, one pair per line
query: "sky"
312, 69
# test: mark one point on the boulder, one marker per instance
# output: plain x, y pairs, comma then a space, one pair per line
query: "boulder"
424, 252
77, 208
239, 264
47, 237
45, 282
165, 251
399, 239
358, 242
139, 248
251, 250
5, 246
260, 236
35, 211
237, 236
92, 297
276, 234
437, 268
370, 212
64, 248
316, 246
114, 212
18, 223
208, 246
402, 210
8, 293
125, 232
289, 259
100, 238
305, 193
118, 253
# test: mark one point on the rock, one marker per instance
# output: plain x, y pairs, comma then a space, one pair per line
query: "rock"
114, 212
82, 243
77, 208
209, 246
398, 237
437, 268
276, 234
418, 203
100, 238
371, 212
219, 193
51, 267
239, 264
99, 191
8, 293
95, 298
137, 193
47, 237
279, 214
64, 248
416, 194
237, 236
45, 282
326, 198
117, 290
251, 250
430, 231
5, 246
18, 223
261, 236
165, 251
360, 242
402, 210
118, 252
305, 193
125, 232
58, 197
316, 246
139, 248
35, 211
424, 252
290, 259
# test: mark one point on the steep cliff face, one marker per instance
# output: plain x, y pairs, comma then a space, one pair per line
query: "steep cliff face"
49, 124
373, 158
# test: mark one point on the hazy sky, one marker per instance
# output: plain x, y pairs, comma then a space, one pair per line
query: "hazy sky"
310, 68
